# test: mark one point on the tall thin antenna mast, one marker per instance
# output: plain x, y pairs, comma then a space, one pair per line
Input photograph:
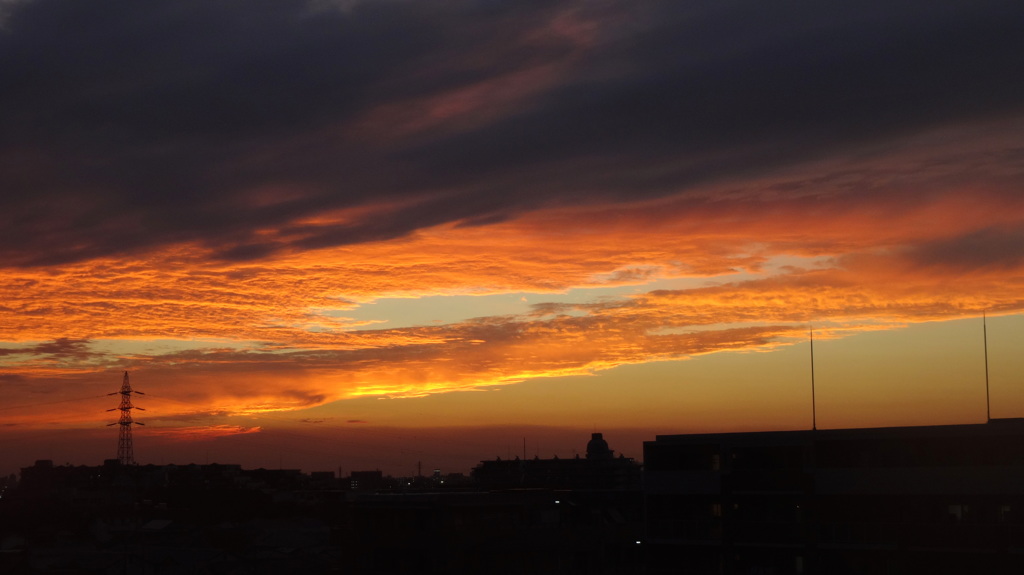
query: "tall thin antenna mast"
814, 407
125, 450
984, 337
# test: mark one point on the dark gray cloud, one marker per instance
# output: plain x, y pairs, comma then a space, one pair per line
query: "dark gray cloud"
996, 249
128, 125
60, 348
736, 87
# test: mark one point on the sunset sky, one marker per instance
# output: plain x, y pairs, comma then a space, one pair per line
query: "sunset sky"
363, 234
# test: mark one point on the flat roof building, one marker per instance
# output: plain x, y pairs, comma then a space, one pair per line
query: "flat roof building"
932, 499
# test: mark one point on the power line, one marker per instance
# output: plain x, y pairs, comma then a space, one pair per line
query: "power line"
25, 405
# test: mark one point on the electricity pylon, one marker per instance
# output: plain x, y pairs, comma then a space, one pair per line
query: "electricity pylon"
125, 453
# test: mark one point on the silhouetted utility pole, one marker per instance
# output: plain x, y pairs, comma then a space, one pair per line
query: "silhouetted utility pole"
814, 403
125, 453
984, 339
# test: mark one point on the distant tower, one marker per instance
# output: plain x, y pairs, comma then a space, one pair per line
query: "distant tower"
597, 447
125, 454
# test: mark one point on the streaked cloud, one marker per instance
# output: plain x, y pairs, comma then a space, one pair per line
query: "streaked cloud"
200, 433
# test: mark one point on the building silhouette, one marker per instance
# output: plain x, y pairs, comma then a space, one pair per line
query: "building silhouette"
557, 516
222, 518
933, 499
599, 470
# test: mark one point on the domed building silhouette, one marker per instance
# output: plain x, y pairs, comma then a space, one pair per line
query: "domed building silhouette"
597, 447
600, 470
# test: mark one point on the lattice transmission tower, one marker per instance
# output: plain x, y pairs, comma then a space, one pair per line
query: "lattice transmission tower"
125, 452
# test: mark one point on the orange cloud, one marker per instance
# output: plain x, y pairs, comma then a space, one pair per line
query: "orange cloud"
836, 243
200, 433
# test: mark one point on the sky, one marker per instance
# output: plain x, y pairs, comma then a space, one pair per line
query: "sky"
383, 234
